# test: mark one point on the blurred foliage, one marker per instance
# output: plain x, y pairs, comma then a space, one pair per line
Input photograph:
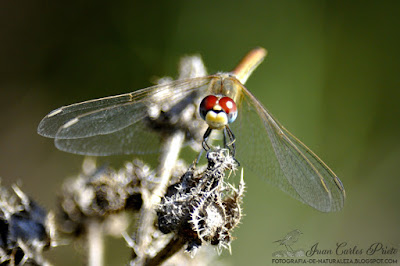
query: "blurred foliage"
331, 78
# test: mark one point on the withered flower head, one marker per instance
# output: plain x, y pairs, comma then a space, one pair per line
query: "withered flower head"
26, 229
202, 208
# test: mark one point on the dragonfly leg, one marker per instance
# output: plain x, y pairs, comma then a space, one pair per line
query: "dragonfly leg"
205, 145
228, 134
205, 138
198, 157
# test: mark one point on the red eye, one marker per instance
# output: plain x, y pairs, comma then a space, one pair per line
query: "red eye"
229, 106
207, 104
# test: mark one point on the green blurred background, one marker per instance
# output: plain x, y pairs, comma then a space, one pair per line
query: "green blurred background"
331, 77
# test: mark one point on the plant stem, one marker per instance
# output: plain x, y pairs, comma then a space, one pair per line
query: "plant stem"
169, 157
95, 242
174, 245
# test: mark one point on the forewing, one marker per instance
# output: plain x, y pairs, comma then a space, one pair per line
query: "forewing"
52, 122
136, 138
273, 153
109, 125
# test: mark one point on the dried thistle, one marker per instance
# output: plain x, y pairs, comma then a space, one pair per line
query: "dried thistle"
202, 208
98, 193
26, 229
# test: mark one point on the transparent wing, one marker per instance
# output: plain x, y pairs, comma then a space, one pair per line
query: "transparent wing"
116, 124
136, 138
272, 152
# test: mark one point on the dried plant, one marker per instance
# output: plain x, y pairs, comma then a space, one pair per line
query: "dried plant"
178, 207
26, 229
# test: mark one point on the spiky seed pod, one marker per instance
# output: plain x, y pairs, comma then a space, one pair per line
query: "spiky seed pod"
203, 208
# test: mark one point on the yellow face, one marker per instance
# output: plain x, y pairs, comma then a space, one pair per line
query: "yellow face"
216, 118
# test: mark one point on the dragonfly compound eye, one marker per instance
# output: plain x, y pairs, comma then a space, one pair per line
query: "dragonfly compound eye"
207, 104
229, 106
218, 112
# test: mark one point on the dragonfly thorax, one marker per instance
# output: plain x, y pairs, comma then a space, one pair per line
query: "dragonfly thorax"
218, 111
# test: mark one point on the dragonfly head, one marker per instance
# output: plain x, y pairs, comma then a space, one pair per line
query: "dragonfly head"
218, 111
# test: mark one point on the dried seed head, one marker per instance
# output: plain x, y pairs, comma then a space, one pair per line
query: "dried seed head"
26, 229
202, 207
100, 193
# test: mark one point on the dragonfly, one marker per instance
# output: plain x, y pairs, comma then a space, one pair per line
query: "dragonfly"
120, 125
